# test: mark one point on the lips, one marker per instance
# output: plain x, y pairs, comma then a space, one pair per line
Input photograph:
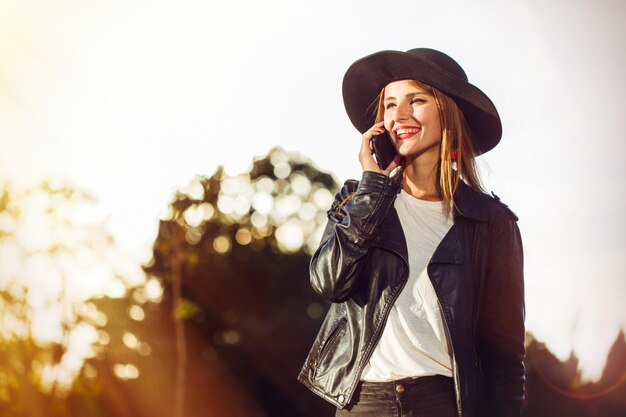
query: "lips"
405, 132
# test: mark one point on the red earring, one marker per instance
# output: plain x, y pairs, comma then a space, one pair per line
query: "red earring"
453, 155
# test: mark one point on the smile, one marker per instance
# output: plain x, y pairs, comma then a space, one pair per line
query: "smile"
405, 131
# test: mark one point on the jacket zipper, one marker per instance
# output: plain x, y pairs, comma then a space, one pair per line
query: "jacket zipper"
330, 341
392, 301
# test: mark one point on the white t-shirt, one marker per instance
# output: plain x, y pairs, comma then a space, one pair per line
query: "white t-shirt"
414, 341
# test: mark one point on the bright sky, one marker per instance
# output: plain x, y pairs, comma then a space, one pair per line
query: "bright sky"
130, 99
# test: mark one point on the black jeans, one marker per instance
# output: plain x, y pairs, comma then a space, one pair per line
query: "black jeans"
429, 396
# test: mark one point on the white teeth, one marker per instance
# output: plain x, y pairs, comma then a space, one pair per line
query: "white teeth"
405, 131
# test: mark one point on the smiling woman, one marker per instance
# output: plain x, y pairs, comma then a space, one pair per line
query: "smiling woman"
423, 270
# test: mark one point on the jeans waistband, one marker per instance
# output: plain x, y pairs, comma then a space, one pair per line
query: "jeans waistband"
439, 381
423, 396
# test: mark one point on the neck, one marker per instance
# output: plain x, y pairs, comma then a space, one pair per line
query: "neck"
420, 177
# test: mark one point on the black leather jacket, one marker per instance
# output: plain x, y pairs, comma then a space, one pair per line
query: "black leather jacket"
361, 266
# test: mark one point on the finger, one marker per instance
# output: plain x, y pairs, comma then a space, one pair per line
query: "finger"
367, 151
366, 158
366, 143
377, 129
367, 136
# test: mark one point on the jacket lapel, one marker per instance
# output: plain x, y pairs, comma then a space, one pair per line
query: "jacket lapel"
468, 205
449, 249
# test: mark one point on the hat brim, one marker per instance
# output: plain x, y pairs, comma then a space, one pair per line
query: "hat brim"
366, 78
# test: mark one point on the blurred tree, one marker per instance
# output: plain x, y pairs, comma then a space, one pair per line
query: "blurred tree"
233, 253
55, 255
554, 388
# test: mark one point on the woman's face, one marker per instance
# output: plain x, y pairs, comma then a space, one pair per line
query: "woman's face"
412, 118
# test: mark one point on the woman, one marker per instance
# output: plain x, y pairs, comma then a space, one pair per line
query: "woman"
423, 270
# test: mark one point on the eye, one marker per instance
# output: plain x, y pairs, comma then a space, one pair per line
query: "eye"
418, 100
389, 105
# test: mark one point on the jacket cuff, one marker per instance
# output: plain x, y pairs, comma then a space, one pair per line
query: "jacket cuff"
373, 198
372, 181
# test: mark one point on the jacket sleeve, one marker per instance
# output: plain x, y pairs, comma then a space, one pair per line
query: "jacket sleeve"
501, 323
351, 230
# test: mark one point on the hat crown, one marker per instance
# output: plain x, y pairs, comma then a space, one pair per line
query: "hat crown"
441, 60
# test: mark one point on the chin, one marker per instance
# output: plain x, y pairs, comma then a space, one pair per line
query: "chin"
409, 152
412, 152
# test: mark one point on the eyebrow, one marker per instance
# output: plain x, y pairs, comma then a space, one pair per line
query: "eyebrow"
417, 93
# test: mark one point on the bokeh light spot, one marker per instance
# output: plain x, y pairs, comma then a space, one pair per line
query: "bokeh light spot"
242, 205
103, 337
265, 184
194, 215
136, 313
314, 310
289, 236
300, 184
243, 236
221, 244
262, 232
258, 220
287, 206
195, 189
282, 170
139, 296
307, 212
193, 236
90, 371
226, 203
278, 156
230, 337
115, 289
154, 290
125, 371
144, 349
207, 210
262, 202
322, 198
130, 340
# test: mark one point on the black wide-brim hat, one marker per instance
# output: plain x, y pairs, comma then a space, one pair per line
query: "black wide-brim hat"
366, 78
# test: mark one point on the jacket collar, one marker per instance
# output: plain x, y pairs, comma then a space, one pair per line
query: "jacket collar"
469, 203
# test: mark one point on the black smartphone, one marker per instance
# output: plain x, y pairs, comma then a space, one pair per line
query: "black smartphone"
384, 151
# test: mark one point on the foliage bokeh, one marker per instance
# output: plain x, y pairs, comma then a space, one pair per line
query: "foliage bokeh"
56, 257
241, 245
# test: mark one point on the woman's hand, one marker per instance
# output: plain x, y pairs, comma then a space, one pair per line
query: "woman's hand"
366, 157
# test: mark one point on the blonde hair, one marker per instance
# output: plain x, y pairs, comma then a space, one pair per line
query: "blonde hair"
455, 136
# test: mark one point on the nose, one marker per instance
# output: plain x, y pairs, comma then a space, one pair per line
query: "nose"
402, 112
